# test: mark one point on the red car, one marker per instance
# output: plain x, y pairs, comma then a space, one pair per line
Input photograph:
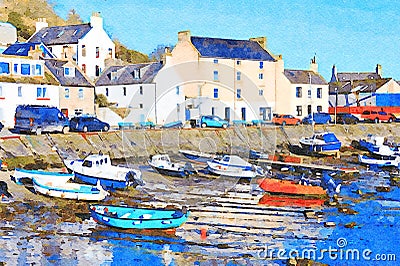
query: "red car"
285, 120
376, 116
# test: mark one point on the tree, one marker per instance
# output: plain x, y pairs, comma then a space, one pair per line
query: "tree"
159, 51
101, 100
129, 56
73, 18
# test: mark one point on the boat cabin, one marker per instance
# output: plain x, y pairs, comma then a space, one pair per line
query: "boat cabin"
98, 160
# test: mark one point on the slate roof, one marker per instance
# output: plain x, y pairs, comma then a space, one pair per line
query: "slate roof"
124, 75
59, 35
303, 77
347, 76
22, 49
227, 48
56, 68
364, 86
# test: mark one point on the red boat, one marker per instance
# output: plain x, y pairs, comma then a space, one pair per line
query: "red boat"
290, 201
286, 187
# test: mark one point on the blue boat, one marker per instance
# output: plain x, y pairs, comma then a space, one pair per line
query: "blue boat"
138, 218
198, 156
98, 167
255, 155
55, 177
321, 143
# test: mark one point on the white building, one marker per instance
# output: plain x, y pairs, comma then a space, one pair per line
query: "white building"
88, 45
8, 35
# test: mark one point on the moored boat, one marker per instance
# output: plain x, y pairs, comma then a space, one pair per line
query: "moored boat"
138, 218
234, 166
69, 190
198, 156
98, 167
55, 177
163, 165
255, 155
320, 143
381, 158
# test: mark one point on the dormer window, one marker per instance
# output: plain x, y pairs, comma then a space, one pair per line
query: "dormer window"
113, 75
60, 34
136, 74
69, 72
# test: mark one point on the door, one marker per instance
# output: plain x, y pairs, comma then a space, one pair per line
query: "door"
243, 111
227, 114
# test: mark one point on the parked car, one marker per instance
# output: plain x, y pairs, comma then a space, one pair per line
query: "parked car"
346, 118
319, 118
87, 123
285, 120
40, 118
212, 121
376, 116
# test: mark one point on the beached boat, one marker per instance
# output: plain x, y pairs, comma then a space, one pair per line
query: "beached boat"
381, 158
255, 155
373, 143
69, 190
138, 218
234, 166
55, 177
98, 167
321, 143
288, 201
163, 165
198, 156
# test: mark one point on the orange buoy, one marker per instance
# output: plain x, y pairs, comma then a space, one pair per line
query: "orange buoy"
203, 233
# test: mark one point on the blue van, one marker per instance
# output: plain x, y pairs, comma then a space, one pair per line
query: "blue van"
40, 118
319, 118
212, 121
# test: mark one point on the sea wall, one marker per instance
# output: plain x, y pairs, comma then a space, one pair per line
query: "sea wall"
135, 146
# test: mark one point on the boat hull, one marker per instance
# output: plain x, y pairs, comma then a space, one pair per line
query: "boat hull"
331, 148
171, 172
107, 183
137, 218
290, 201
286, 187
364, 159
55, 177
199, 157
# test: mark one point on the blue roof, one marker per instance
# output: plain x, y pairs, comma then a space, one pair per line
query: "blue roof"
61, 34
22, 49
56, 67
234, 49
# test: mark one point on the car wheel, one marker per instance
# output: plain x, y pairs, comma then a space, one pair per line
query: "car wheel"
390, 120
224, 125
106, 128
39, 131
297, 123
65, 130
376, 120
283, 123
203, 125
85, 129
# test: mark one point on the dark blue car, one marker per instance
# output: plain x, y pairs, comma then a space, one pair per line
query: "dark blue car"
87, 123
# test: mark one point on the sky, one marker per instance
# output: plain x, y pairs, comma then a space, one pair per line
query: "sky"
353, 35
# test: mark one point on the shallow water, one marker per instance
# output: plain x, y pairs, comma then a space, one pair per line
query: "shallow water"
227, 226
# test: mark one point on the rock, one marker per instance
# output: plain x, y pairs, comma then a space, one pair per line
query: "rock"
347, 211
329, 224
350, 225
382, 189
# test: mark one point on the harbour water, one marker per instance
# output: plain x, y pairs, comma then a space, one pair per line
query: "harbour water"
228, 226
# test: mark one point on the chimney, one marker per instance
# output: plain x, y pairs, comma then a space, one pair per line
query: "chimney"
334, 74
378, 70
40, 24
314, 65
35, 53
184, 36
96, 21
262, 41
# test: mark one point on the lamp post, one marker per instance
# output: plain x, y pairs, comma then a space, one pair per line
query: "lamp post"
336, 95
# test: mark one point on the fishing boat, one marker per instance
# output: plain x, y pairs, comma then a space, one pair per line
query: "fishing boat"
288, 201
381, 158
55, 177
321, 143
97, 167
69, 190
255, 155
198, 156
373, 143
303, 187
234, 166
163, 165
138, 218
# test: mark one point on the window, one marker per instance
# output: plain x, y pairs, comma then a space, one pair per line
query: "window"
4, 68
319, 93
238, 75
215, 75
298, 92
25, 69
84, 68
83, 50
309, 93
15, 68
97, 52
136, 73
261, 65
38, 70
124, 91
319, 108
299, 110
66, 93
19, 91
239, 93
107, 92
177, 90
140, 105
238, 62
260, 92
110, 51
80, 93
41, 92
215, 61
261, 76
1, 91
141, 90
212, 110
215, 93
97, 71
67, 71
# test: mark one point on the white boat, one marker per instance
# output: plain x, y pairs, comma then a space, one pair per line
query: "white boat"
163, 165
98, 167
55, 177
234, 166
69, 190
320, 143
381, 158
198, 156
